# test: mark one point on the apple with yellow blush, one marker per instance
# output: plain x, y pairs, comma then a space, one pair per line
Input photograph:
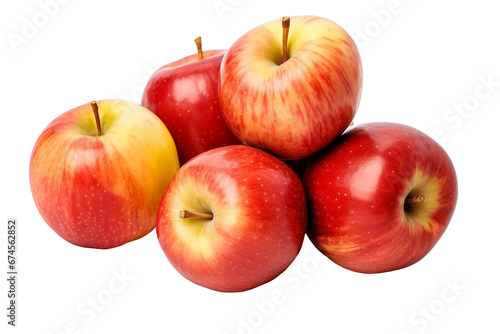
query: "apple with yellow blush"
98, 172
291, 86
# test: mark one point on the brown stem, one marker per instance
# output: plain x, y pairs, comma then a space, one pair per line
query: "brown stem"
198, 46
415, 199
97, 119
285, 23
188, 214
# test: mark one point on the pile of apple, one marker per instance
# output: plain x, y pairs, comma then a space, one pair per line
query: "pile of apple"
206, 160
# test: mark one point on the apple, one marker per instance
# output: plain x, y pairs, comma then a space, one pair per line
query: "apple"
380, 197
290, 87
184, 94
232, 218
98, 172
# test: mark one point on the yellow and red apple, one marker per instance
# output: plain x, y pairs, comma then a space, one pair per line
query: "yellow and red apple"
380, 197
291, 90
232, 218
98, 172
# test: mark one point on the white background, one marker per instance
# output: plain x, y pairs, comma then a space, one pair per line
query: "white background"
421, 60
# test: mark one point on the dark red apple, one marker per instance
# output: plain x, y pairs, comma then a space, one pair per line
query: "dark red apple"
380, 197
184, 95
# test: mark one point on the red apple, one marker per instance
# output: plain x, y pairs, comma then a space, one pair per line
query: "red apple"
293, 98
232, 218
97, 174
380, 197
184, 94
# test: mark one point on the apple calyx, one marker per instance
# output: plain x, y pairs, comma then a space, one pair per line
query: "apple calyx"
412, 204
415, 199
416, 210
95, 109
285, 23
198, 46
198, 215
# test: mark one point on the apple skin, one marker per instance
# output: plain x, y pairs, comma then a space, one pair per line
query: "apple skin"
184, 94
102, 191
259, 218
357, 189
291, 109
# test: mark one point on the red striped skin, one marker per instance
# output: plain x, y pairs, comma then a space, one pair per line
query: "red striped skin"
296, 108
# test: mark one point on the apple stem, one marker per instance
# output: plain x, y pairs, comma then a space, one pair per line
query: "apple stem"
285, 23
198, 46
415, 199
97, 119
188, 214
